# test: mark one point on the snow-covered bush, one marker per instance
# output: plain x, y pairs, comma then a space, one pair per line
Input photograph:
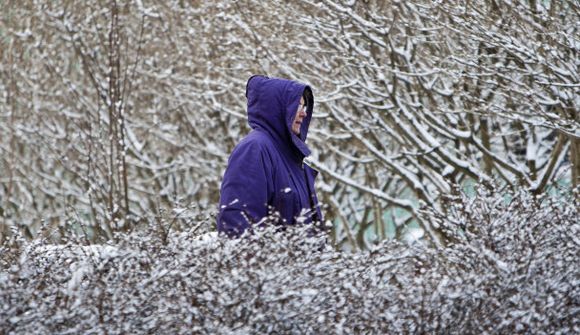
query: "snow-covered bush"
512, 267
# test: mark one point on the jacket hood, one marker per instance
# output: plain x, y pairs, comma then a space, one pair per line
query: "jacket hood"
272, 106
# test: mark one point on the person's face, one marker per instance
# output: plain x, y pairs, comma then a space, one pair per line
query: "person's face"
300, 115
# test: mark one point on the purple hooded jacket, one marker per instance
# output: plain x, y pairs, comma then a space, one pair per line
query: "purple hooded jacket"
265, 172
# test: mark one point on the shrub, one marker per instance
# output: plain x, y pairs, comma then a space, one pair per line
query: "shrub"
511, 266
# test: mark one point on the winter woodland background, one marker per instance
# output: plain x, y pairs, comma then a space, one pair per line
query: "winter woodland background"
451, 123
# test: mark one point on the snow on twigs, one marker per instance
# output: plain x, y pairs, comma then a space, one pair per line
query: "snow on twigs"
512, 266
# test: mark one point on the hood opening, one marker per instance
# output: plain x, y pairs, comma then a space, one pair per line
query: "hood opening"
272, 106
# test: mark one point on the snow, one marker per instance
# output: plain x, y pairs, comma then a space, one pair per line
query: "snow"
414, 235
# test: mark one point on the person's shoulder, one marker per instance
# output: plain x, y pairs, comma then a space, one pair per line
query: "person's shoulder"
256, 139
256, 142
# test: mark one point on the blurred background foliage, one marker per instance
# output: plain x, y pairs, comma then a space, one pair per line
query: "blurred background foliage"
118, 112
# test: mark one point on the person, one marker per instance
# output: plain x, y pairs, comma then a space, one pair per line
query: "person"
266, 179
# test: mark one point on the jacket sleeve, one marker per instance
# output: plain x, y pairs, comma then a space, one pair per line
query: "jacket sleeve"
245, 190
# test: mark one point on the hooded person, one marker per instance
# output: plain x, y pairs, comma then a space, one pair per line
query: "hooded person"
266, 179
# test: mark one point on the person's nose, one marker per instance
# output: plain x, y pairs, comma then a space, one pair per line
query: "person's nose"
302, 113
